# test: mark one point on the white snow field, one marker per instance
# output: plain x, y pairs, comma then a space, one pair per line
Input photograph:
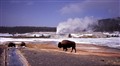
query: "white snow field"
110, 42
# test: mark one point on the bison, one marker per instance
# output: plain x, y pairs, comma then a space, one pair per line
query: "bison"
67, 44
23, 44
11, 44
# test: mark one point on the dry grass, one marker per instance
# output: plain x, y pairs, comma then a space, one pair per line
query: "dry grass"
41, 46
82, 49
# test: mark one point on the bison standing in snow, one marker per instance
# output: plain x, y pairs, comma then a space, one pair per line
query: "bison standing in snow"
67, 44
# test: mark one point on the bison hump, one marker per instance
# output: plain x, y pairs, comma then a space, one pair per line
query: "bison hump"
67, 42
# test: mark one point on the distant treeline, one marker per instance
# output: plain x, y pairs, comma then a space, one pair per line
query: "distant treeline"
108, 25
26, 29
104, 25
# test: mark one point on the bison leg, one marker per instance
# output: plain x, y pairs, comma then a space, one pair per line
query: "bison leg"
65, 49
74, 49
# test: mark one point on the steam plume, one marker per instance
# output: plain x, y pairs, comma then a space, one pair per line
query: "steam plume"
76, 25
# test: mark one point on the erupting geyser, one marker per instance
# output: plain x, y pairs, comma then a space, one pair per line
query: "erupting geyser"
76, 25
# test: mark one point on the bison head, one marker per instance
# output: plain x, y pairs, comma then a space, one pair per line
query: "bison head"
59, 45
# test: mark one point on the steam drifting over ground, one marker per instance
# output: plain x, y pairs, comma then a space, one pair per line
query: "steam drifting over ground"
73, 25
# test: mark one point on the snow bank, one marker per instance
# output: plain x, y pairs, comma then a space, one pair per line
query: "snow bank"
110, 42
5, 34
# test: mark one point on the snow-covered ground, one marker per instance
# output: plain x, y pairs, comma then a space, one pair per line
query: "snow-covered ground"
110, 42
5, 34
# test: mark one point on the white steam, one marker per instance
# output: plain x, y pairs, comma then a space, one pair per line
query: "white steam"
76, 25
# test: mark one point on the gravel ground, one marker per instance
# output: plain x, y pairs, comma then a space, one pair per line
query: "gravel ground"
54, 58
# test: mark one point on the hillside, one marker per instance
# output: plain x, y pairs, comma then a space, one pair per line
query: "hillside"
108, 25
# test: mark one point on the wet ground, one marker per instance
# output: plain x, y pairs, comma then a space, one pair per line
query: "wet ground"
48, 58
2, 54
13, 58
48, 54
87, 55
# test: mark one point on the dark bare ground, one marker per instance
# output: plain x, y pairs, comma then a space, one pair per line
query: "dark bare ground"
54, 58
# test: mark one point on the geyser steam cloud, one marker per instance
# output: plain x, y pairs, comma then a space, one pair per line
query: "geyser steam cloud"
76, 25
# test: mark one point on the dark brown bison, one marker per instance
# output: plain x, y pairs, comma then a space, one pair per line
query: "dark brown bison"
67, 44
11, 44
23, 44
